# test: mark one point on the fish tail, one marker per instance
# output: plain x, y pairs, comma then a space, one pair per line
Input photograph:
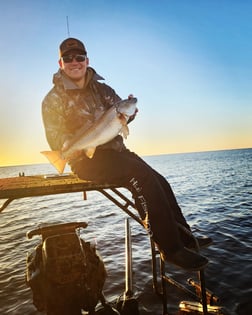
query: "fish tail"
56, 159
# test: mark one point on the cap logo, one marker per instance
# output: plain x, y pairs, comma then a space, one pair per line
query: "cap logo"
72, 44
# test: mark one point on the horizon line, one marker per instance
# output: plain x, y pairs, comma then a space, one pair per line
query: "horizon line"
145, 155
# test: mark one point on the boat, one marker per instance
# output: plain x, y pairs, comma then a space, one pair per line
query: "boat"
66, 273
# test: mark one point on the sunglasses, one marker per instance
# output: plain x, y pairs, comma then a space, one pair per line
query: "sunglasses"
70, 58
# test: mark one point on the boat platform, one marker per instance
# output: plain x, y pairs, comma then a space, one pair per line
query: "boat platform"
22, 186
41, 185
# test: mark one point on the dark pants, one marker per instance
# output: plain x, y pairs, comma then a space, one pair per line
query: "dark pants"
153, 195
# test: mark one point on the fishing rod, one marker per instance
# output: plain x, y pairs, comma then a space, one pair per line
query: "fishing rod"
67, 22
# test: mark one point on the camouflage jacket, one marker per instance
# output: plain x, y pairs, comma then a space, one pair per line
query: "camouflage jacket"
67, 108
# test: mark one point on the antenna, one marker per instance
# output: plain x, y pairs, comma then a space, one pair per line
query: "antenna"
68, 32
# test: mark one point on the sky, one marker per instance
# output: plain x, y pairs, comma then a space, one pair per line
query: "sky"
189, 63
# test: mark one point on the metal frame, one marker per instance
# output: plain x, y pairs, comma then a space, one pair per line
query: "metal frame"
204, 294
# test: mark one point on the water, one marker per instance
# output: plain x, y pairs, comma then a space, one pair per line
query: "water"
214, 190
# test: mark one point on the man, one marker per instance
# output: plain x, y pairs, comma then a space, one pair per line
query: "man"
78, 99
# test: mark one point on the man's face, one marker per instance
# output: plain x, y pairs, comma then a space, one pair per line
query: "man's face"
73, 65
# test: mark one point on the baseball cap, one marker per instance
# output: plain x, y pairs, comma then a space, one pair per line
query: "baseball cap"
71, 44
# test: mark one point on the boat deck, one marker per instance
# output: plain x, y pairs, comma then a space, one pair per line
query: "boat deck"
22, 186
41, 185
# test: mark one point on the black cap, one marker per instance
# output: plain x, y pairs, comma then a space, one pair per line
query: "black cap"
71, 44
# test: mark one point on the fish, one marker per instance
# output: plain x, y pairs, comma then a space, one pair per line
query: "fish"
112, 123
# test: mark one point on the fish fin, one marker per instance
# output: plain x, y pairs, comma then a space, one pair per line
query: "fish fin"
123, 119
125, 131
55, 158
90, 152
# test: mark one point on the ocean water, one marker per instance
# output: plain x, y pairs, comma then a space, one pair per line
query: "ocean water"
214, 190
